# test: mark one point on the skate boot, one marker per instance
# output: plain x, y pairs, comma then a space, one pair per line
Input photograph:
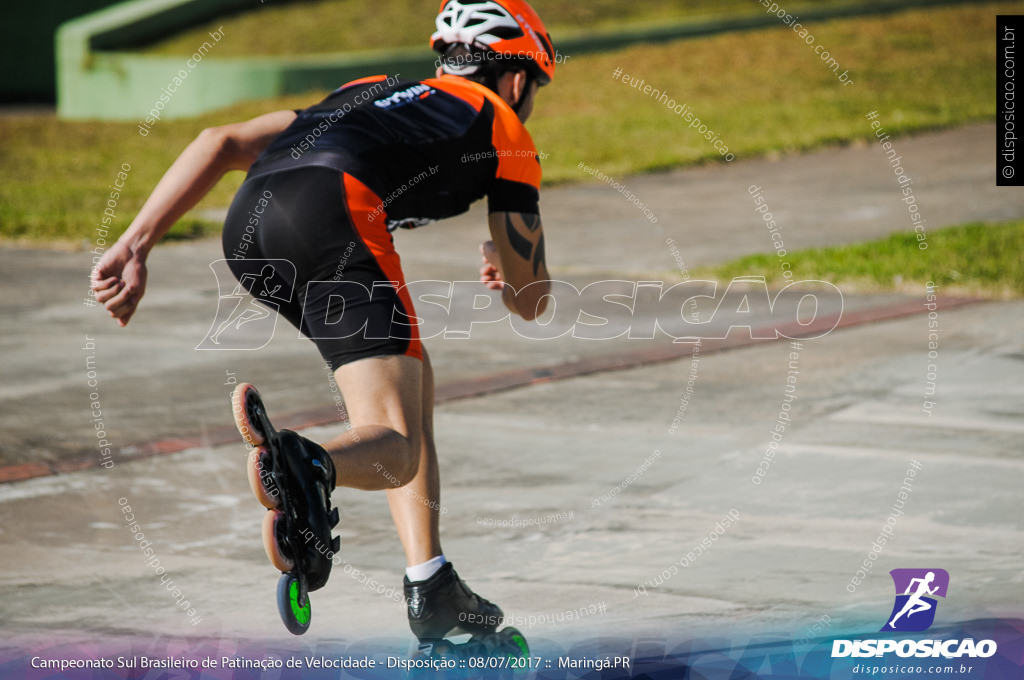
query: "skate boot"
444, 604
293, 478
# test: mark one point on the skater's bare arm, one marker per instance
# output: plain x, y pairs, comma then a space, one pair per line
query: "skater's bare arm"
516, 256
119, 278
199, 167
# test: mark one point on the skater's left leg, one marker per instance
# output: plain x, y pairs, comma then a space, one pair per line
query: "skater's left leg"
416, 507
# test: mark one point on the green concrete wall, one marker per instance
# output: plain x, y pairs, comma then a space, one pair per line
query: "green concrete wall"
95, 82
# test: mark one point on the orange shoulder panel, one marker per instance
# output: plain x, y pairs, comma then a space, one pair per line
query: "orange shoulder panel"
464, 89
363, 81
517, 156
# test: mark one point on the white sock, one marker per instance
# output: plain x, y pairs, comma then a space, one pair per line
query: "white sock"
421, 572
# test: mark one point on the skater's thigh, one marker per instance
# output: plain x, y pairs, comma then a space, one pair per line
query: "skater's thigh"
385, 391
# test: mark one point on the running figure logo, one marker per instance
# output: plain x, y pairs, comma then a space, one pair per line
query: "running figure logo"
914, 610
251, 303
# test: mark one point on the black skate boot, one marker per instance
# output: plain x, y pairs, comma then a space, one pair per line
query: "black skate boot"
444, 605
292, 477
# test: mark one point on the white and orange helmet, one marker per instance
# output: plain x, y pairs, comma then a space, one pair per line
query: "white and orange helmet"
492, 32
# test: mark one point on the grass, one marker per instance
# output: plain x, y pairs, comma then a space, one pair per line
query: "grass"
976, 258
767, 91
56, 176
762, 92
325, 26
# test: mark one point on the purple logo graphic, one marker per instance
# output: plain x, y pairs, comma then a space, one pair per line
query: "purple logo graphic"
914, 609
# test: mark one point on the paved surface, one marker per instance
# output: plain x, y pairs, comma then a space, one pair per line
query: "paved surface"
69, 568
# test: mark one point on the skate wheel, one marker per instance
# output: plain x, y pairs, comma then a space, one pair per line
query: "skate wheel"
293, 604
249, 413
272, 534
513, 644
259, 466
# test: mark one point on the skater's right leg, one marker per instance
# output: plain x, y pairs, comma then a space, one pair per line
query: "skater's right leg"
319, 229
323, 230
389, 439
383, 396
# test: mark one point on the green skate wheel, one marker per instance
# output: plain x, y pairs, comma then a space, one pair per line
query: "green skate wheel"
293, 604
514, 644
514, 647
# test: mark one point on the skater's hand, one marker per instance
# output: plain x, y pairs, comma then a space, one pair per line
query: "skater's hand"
490, 273
119, 280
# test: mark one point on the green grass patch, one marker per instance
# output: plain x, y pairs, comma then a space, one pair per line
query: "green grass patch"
976, 258
328, 26
760, 91
56, 176
767, 91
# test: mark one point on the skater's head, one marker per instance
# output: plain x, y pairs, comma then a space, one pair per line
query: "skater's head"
501, 44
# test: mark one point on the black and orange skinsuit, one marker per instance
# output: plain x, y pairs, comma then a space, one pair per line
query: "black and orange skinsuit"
381, 158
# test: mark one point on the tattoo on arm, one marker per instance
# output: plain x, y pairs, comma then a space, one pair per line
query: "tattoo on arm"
538, 256
520, 243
